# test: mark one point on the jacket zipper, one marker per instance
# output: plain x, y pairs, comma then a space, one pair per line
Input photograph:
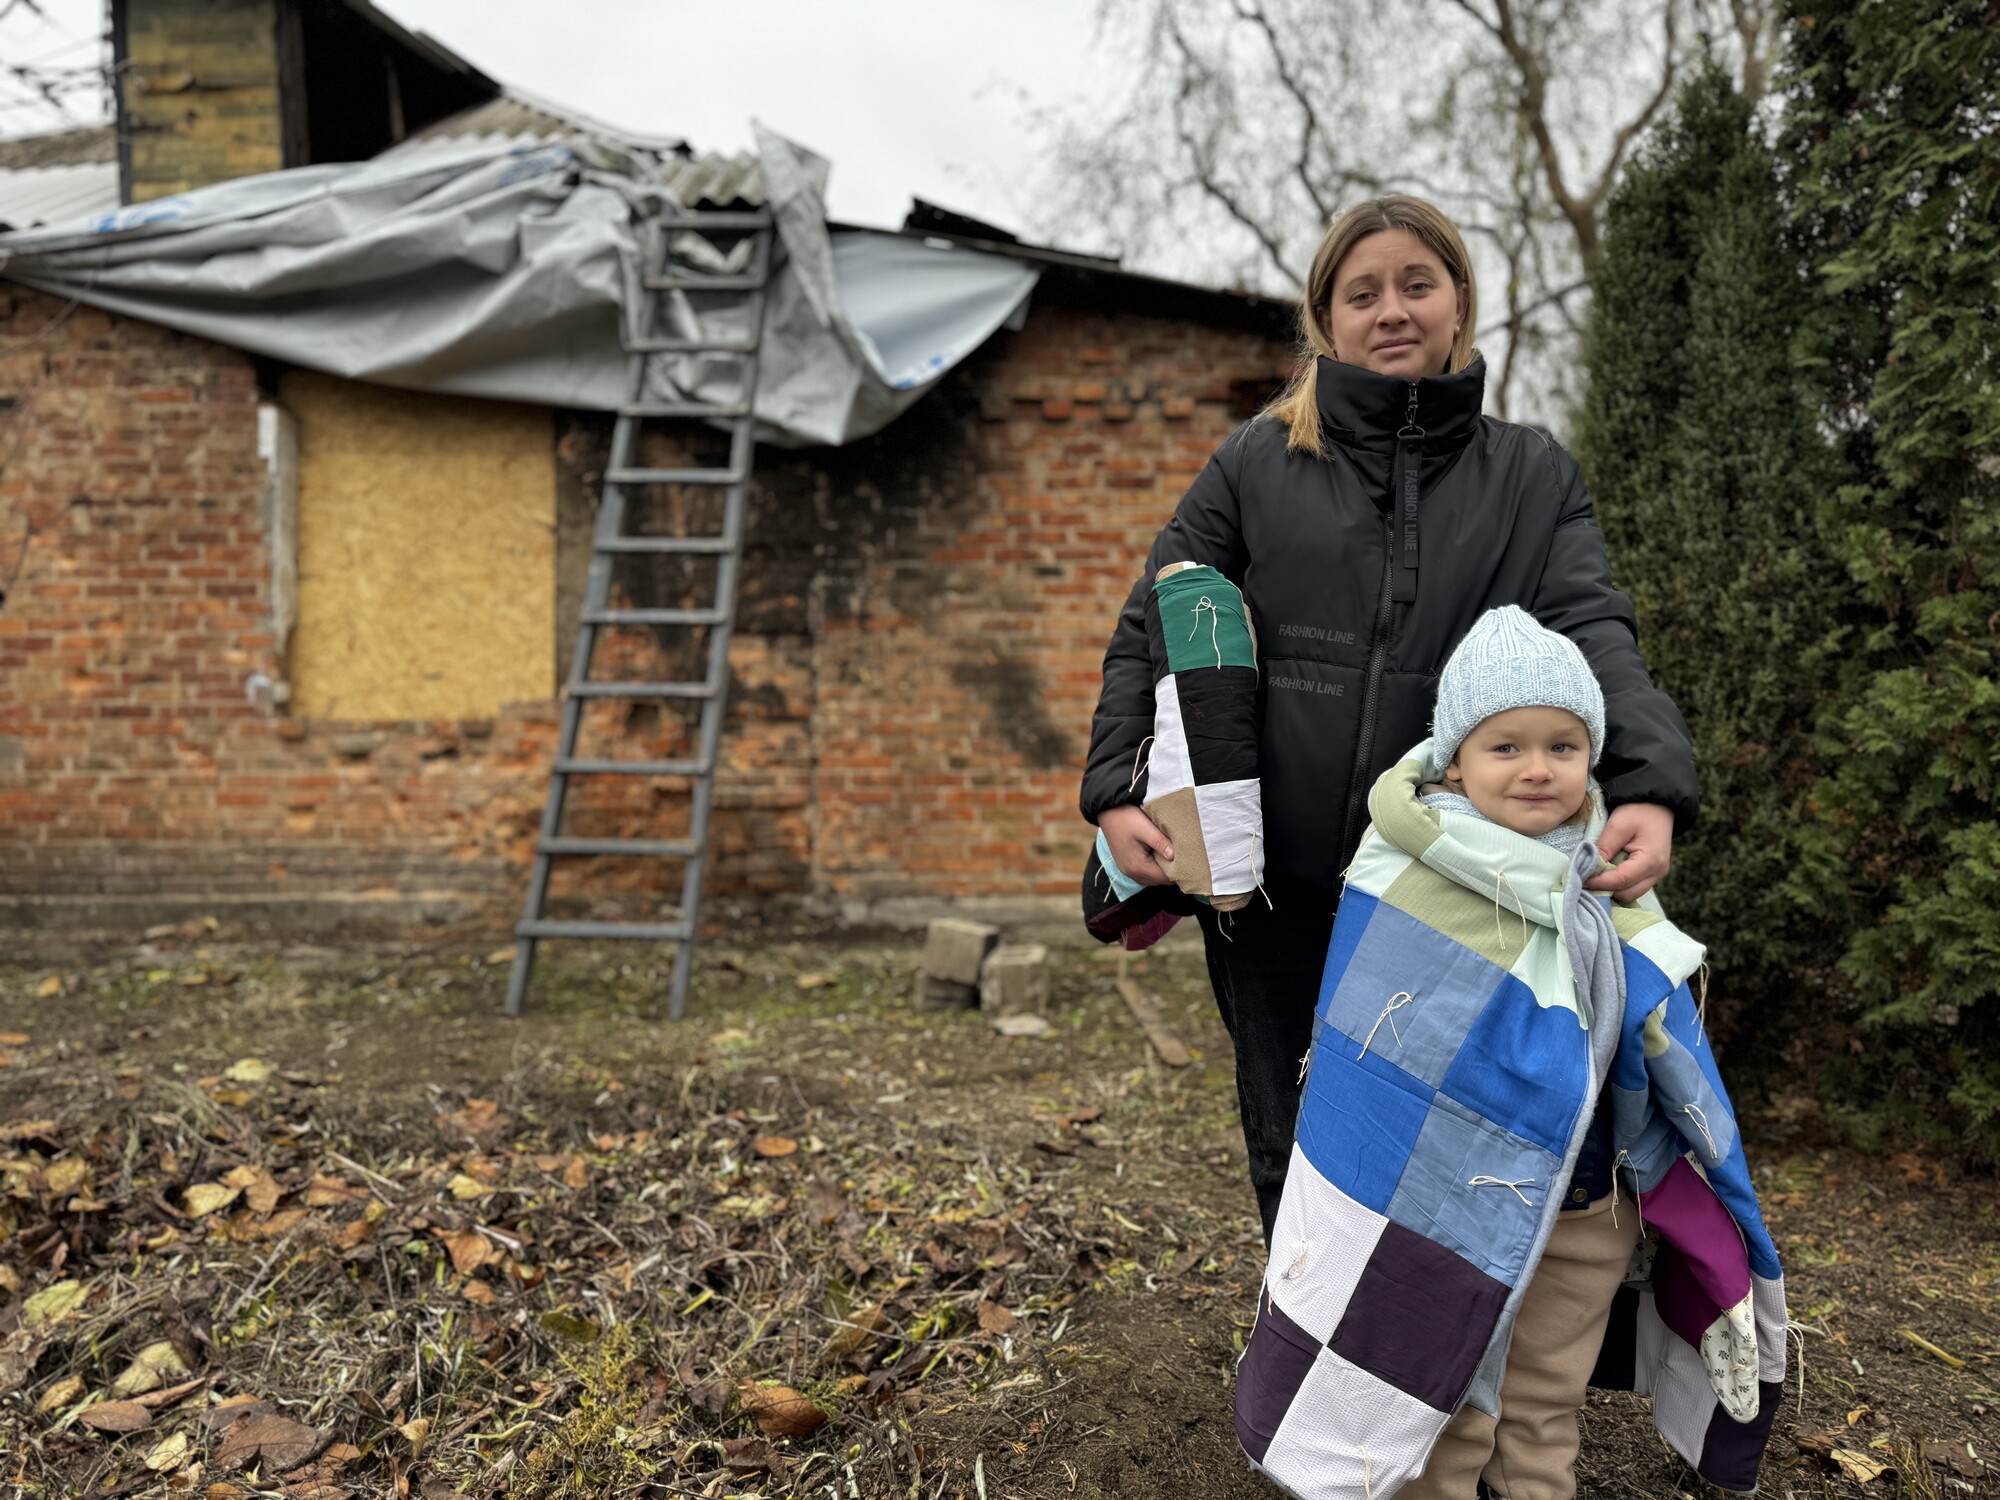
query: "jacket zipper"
1378, 649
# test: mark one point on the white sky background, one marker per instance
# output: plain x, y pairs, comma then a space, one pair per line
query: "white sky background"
923, 98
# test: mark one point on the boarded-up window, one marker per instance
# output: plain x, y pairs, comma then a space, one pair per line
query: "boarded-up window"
426, 552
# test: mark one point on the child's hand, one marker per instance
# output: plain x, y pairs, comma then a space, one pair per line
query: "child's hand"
1644, 833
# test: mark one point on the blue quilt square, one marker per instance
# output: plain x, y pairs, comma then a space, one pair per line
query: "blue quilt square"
1456, 1190
1523, 1066
1350, 919
1409, 994
1359, 1120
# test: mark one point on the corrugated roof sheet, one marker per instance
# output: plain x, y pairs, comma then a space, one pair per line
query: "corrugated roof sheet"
55, 195
60, 148
516, 120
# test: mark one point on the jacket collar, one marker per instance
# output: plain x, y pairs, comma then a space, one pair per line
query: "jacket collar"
1368, 410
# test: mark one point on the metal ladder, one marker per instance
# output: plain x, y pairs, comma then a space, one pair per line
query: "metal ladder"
661, 278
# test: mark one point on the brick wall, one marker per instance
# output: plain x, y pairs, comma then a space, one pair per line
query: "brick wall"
922, 618
201, 92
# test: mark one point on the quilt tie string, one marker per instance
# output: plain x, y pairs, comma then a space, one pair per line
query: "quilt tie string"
1501, 881
1482, 1180
1701, 1004
1305, 1063
1367, 1476
1257, 871
1396, 1002
1694, 1113
1297, 1261
1214, 625
1639, 1199
1139, 770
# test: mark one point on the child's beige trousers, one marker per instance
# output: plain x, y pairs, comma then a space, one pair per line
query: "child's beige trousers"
1530, 1453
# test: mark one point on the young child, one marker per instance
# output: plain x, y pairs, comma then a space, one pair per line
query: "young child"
1492, 1043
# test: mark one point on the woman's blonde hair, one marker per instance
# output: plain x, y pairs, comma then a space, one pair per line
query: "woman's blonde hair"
1298, 405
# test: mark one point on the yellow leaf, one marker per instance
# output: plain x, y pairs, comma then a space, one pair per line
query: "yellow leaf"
65, 1392
49, 988
576, 1174
775, 1145
204, 1198
10, 1279
65, 1176
52, 1304
416, 1433
170, 1455
465, 1188
13, 1038
151, 1368
248, 1070
1859, 1466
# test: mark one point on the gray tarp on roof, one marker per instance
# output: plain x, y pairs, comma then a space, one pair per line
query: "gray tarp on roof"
505, 274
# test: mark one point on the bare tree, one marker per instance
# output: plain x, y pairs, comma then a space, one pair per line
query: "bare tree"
1250, 124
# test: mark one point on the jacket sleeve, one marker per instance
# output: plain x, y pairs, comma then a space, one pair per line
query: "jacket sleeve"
1206, 528
1648, 754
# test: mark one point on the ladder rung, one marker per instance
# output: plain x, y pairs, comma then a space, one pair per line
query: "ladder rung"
630, 768
716, 219
711, 545
642, 689
649, 931
673, 476
655, 616
648, 409
650, 848
704, 281
663, 344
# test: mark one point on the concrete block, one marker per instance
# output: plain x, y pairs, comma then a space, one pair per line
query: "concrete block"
945, 994
1015, 981
956, 950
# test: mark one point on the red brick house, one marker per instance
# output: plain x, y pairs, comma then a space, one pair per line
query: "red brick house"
210, 699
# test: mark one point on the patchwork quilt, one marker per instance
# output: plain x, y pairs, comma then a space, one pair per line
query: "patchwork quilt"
1475, 1002
1201, 779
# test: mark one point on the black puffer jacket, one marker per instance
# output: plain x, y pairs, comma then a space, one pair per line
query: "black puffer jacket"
1351, 636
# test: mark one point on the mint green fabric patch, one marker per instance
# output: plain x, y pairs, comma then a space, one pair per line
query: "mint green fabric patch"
1203, 620
1488, 928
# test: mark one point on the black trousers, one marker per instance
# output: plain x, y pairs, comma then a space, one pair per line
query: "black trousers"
1264, 963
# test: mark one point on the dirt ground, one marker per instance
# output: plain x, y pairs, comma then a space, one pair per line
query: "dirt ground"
282, 1219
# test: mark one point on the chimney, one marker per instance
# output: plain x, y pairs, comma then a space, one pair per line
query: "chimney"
199, 98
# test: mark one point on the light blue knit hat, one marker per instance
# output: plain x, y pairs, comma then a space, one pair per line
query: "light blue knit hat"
1511, 660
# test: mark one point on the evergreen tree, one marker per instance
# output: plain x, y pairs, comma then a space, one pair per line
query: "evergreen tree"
1892, 146
1701, 448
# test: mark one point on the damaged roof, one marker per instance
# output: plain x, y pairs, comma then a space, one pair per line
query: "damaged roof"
515, 120
66, 174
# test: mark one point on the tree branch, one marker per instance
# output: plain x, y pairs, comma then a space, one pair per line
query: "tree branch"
1622, 141
1310, 125
1580, 212
1204, 167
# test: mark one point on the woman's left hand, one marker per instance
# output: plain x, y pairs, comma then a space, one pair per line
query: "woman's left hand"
1644, 833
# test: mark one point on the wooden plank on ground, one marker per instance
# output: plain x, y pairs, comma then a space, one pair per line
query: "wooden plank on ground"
1146, 1011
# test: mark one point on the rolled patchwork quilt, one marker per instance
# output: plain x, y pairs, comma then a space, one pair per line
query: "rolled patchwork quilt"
1201, 777
1476, 1000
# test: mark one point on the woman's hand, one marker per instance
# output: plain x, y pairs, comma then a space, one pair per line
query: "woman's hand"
1644, 833
1137, 844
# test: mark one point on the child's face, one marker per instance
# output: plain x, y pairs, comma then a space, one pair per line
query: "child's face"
1527, 769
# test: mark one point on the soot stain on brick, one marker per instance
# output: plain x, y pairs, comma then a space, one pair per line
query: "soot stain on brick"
1009, 688
834, 521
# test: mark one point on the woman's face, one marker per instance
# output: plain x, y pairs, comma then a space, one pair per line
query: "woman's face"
1394, 309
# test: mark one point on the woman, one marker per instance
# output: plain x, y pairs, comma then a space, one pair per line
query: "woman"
1370, 514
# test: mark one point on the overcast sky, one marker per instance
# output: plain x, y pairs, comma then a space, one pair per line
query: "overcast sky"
926, 98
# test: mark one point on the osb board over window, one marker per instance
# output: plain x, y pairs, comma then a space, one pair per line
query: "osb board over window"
426, 552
